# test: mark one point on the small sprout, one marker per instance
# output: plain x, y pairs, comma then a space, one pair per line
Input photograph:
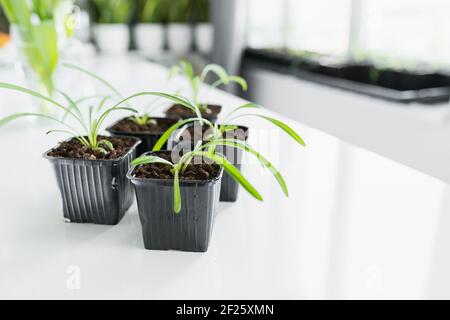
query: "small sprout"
107, 144
179, 168
143, 120
101, 150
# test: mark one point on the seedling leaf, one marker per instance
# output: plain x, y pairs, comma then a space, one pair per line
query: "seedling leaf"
165, 137
234, 172
266, 163
176, 192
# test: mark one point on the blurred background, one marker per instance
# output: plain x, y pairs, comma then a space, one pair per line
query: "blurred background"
372, 72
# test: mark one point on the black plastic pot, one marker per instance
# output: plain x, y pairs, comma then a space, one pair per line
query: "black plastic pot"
162, 229
94, 191
148, 139
230, 188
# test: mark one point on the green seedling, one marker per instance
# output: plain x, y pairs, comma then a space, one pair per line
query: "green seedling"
180, 167
185, 68
216, 138
89, 124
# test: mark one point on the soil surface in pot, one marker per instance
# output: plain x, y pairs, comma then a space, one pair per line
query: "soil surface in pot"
178, 111
194, 132
193, 172
73, 149
129, 126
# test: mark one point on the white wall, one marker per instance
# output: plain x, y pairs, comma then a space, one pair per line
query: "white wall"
413, 134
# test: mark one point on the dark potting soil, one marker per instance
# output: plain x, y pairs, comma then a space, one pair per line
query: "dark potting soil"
178, 111
194, 172
73, 149
129, 126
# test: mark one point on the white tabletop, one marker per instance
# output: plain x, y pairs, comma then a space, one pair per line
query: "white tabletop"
355, 226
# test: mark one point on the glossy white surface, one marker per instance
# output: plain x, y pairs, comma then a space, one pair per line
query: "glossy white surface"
355, 226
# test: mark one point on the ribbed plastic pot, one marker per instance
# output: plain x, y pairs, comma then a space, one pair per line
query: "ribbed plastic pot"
230, 188
148, 140
191, 229
94, 191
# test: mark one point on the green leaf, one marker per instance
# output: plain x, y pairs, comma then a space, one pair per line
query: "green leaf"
73, 106
173, 98
165, 137
294, 135
145, 159
234, 172
186, 66
230, 79
175, 70
218, 70
17, 11
16, 116
170, 97
186, 159
82, 140
36, 95
102, 103
101, 150
240, 81
84, 99
266, 163
97, 124
113, 11
245, 106
107, 144
225, 128
285, 128
152, 11
176, 192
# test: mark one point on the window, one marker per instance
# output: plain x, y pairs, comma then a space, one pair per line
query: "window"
409, 31
319, 26
412, 30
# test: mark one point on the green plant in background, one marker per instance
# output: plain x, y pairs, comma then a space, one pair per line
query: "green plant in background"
112, 11
185, 68
180, 11
89, 123
152, 11
201, 8
3, 21
35, 24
